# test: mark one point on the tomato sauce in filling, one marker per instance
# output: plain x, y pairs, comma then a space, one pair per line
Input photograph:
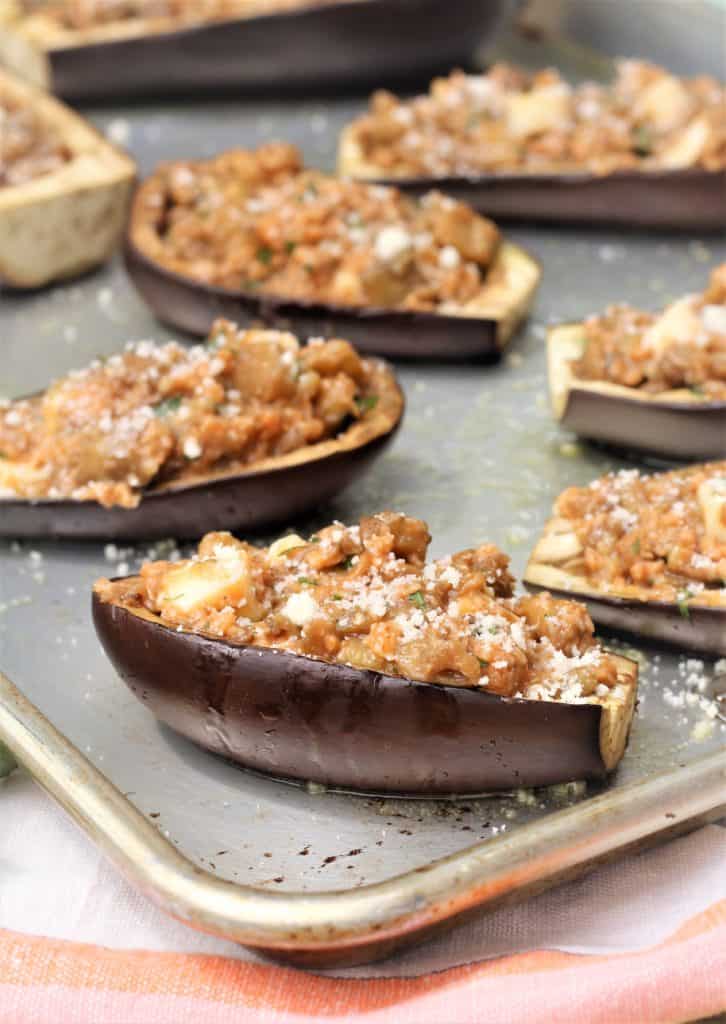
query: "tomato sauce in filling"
260, 222
665, 532
156, 413
509, 119
366, 596
684, 347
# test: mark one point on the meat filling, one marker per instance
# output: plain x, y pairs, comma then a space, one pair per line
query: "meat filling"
684, 347
28, 147
157, 413
509, 119
366, 596
665, 532
86, 14
259, 222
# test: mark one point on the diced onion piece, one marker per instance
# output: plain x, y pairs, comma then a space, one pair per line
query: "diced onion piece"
664, 104
530, 113
713, 319
284, 544
211, 584
679, 322
687, 147
712, 499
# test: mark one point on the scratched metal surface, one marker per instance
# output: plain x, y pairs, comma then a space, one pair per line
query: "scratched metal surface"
479, 458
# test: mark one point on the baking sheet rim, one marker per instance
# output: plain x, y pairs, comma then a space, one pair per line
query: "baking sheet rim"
356, 925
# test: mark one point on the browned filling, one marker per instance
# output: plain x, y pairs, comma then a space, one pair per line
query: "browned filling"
509, 119
29, 148
258, 221
85, 14
665, 532
684, 347
366, 596
161, 413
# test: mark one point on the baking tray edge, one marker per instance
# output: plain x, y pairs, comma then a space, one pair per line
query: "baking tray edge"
343, 928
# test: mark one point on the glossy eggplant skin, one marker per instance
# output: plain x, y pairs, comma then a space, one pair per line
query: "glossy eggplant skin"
300, 718
324, 46
672, 430
692, 199
190, 306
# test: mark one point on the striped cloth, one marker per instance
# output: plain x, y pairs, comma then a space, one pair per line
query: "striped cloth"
640, 941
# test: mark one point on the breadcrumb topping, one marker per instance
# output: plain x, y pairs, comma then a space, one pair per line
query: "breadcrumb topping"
159, 413
509, 119
683, 347
259, 222
365, 596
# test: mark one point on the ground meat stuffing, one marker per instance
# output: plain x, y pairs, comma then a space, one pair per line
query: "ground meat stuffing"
665, 532
28, 147
684, 347
85, 14
366, 596
509, 119
258, 221
164, 412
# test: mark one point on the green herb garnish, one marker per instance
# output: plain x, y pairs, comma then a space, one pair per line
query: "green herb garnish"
348, 562
418, 599
264, 254
290, 247
167, 407
683, 604
315, 539
307, 581
366, 402
494, 629
696, 389
337, 597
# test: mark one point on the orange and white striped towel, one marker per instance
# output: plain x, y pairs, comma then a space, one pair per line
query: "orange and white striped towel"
639, 941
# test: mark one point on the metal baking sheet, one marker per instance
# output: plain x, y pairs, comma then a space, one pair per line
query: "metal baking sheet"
479, 458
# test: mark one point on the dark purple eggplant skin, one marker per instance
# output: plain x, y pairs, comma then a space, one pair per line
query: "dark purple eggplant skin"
694, 628
692, 199
190, 306
672, 430
297, 717
245, 502
339, 44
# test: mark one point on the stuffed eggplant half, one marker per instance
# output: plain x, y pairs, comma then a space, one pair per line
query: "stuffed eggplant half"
649, 149
163, 440
652, 383
64, 190
253, 235
83, 49
349, 660
646, 553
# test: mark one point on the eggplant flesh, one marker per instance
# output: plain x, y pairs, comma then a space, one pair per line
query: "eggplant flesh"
696, 626
297, 717
503, 304
672, 424
60, 224
266, 493
685, 199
